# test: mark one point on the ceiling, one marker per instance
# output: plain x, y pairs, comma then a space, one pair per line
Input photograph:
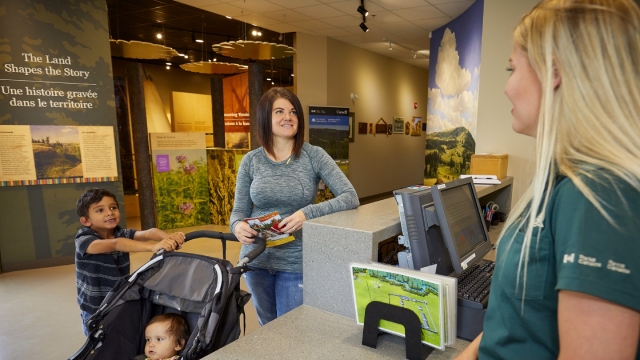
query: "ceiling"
142, 20
402, 25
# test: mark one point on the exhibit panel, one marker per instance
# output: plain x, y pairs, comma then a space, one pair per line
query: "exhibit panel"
57, 80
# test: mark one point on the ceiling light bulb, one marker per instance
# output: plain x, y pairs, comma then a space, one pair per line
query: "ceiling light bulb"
168, 67
199, 40
228, 17
180, 54
159, 36
214, 59
268, 79
362, 10
272, 83
259, 33
254, 33
291, 74
169, 63
364, 27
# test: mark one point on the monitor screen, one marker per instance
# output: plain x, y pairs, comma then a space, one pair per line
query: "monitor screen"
444, 226
465, 223
461, 223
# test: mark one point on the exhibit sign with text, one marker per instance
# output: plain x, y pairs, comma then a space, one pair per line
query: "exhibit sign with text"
55, 72
40, 155
180, 179
236, 111
329, 129
56, 80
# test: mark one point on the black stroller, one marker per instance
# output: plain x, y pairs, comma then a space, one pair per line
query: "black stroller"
204, 290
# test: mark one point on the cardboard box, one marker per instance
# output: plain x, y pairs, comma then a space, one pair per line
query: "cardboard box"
489, 164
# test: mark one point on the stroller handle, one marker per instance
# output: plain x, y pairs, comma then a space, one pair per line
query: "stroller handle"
261, 244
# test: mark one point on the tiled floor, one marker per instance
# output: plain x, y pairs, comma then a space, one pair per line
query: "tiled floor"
39, 316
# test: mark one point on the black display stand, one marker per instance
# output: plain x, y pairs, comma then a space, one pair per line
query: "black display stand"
376, 311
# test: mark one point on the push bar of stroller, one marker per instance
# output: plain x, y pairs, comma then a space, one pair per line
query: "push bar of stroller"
261, 244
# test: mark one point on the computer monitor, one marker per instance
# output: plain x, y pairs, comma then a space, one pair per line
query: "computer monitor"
444, 226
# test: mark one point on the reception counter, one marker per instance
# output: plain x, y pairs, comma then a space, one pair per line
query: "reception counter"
325, 326
309, 333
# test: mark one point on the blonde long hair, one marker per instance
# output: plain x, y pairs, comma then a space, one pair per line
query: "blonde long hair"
592, 120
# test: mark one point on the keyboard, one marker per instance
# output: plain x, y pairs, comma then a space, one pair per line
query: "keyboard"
474, 284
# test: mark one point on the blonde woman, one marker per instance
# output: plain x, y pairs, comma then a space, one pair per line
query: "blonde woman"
567, 278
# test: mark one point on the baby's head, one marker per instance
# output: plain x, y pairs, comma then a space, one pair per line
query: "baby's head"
165, 335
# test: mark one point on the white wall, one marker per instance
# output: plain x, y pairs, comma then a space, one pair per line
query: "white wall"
386, 88
494, 133
310, 70
327, 71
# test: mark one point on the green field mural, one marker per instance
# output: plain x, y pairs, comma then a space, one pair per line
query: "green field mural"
417, 295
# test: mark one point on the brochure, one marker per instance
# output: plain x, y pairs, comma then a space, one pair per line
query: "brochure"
432, 297
268, 229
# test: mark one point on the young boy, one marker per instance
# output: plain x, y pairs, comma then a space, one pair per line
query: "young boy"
165, 336
103, 247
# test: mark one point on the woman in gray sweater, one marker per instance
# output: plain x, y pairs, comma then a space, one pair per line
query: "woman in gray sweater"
283, 176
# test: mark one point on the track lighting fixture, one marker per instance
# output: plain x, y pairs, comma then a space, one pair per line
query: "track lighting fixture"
361, 9
364, 13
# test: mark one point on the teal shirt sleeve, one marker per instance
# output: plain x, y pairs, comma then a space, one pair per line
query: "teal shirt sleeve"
594, 256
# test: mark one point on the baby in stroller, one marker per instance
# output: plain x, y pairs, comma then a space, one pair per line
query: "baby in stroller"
165, 335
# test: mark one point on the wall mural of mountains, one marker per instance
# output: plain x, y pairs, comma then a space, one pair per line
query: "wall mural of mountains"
447, 155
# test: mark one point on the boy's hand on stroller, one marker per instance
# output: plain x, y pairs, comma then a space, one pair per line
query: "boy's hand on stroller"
178, 238
167, 244
244, 233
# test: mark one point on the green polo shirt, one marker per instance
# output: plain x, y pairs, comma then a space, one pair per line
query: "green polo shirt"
578, 250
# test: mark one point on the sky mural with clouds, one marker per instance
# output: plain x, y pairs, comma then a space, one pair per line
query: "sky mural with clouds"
452, 108
455, 72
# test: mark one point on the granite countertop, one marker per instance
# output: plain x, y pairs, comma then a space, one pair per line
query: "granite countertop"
368, 218
310, 333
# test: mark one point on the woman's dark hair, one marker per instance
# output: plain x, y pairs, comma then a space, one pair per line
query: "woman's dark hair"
90, 197
265, 107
